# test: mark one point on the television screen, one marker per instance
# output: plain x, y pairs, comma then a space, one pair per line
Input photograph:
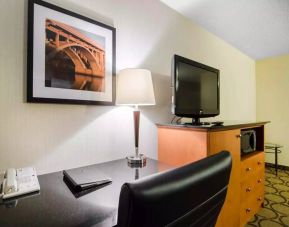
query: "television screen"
196, 88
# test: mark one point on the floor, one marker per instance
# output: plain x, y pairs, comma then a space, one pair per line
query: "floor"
276, 210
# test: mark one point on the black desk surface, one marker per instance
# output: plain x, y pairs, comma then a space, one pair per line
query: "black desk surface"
56, 205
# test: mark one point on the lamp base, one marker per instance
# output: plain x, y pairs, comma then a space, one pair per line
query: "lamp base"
136, 160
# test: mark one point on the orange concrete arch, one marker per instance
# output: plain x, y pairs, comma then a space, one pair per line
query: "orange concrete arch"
79, 65
62, 47
84, 76
96, 80
93, 61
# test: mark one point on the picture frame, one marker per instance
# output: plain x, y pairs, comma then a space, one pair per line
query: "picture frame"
70, 57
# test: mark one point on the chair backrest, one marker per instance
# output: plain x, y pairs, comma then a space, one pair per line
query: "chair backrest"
191, 195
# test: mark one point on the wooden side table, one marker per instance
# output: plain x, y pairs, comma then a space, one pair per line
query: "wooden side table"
276, 150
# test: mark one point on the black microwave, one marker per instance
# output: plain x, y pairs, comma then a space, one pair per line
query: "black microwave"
248, 141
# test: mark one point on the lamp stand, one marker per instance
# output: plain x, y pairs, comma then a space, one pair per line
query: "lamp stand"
137, 158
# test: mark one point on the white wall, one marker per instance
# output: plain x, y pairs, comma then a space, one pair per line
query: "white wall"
272, 75
53, 137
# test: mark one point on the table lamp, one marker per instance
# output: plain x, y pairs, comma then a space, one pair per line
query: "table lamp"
135, 88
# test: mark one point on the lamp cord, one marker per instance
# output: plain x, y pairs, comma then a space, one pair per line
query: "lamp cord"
177, 121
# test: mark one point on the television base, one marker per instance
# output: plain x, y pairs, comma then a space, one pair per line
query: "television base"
196, 121
198, 124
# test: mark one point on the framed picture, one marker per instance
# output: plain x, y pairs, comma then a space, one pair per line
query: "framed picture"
71, 58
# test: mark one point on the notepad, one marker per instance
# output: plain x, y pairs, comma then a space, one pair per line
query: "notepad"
84, 178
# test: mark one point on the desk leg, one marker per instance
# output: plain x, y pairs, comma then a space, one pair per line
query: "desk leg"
276, 161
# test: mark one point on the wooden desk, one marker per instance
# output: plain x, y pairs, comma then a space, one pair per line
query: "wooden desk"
55, 205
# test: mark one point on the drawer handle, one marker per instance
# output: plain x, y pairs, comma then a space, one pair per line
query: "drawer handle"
259, 199
239, 136
248, 189
248, 169
259, 163
260, 181
248, 210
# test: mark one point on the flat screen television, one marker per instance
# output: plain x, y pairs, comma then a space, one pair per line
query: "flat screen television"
196, 89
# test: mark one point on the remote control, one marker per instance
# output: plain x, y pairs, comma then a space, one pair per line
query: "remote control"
217, 123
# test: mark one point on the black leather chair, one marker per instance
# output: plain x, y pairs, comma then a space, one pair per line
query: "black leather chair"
191, 195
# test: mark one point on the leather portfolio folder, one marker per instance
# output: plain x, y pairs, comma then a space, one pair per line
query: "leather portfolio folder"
84, 178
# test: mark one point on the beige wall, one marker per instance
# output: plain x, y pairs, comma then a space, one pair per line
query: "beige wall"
54, 137
272, 77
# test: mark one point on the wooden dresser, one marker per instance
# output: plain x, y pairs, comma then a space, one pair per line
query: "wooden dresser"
180, 144
252, 185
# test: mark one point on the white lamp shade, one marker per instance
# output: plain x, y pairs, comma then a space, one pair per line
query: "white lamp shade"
135, 87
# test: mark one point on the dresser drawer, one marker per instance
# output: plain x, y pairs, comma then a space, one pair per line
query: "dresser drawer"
251, 206
252, 185
251, 164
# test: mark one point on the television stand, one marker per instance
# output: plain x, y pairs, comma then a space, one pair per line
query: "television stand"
178, 146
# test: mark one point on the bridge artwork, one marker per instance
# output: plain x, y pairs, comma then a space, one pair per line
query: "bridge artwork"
73, 60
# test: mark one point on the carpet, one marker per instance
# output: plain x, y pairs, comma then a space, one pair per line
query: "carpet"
276, 205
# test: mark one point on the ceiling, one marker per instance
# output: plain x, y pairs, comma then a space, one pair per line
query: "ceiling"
259, 28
